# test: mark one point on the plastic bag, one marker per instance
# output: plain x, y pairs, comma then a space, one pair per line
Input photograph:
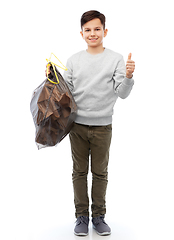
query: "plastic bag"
53, 109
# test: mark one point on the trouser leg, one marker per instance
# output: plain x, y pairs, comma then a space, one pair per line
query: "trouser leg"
80, 156
100, 145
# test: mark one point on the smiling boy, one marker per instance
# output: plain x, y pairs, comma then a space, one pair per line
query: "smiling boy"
93, 33
96, 77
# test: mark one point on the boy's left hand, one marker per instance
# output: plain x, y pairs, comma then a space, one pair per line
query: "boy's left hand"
130, 66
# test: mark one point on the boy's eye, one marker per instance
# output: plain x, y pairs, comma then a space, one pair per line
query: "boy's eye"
98, 29
87, 30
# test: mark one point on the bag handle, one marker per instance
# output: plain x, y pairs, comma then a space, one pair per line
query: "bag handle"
53, 65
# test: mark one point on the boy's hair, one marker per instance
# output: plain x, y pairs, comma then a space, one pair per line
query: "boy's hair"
90, 15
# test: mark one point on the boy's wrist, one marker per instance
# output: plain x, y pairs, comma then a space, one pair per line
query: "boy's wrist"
129, 76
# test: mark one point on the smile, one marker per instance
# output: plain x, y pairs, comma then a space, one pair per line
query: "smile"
93, 39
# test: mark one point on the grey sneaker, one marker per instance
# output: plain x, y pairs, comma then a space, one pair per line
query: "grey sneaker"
81, 228
100, 226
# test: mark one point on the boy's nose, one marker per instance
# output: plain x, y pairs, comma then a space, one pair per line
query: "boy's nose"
92, 33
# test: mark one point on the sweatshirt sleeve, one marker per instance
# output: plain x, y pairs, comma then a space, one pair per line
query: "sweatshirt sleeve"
68, 75
122, 85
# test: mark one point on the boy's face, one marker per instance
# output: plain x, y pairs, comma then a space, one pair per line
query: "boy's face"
93, 33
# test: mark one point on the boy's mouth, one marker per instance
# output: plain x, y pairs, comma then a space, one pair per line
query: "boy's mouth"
93, 39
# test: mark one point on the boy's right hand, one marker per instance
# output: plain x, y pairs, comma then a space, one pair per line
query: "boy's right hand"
48, 69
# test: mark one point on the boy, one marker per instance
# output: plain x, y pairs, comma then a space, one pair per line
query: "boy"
96, 78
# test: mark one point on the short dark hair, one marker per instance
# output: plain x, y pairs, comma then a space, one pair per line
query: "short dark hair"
90, 15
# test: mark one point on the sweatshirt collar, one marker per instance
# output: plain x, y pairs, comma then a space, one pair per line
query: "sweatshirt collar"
95, 55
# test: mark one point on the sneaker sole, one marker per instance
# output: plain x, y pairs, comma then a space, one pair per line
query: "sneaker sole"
80, 234
102, 234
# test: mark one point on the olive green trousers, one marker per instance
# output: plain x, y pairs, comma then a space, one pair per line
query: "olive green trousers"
90, 142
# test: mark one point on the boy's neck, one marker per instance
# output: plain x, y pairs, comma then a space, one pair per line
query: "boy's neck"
95, 50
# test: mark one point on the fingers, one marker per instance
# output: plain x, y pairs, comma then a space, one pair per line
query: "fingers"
129, 60
129, 56
130, 66
47, 67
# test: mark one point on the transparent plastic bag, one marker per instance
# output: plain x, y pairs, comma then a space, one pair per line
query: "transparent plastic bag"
53, 109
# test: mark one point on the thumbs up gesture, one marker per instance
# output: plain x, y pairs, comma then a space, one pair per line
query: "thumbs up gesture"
130, 66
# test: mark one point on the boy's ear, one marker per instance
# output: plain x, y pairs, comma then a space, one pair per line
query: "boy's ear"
105, 32
81, 34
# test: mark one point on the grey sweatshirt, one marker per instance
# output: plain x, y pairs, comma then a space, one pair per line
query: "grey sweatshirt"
96, 81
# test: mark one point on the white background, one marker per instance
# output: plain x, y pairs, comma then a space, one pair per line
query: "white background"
36, 195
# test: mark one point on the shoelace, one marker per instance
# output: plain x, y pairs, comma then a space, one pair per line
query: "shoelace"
82, 220
98, 220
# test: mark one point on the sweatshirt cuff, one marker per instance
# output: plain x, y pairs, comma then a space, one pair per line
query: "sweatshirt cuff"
128, 81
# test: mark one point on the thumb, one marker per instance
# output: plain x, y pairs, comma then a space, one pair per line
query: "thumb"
129, 56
